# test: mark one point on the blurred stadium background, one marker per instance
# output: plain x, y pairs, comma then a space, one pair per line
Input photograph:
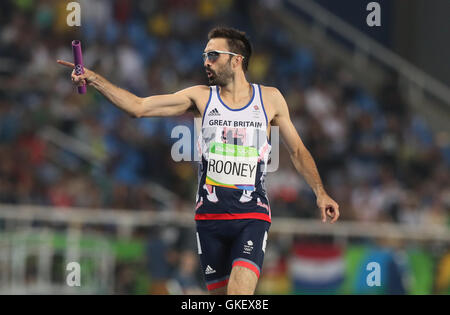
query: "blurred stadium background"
81, 181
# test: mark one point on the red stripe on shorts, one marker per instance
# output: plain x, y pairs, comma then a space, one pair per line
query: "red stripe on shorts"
232, 216
217, 285
247, 265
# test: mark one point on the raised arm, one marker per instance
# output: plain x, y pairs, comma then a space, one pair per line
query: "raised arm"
300, 156
157, 105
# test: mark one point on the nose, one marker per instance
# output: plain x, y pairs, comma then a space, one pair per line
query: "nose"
207, 63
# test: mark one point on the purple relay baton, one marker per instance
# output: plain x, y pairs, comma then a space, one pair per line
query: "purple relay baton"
78, 61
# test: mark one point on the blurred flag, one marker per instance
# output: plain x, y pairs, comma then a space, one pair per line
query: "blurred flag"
317, 269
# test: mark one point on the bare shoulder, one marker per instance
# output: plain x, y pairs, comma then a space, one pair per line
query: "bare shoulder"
196, 89
199, 96
270, 91
272, 96
273, 100
195, 93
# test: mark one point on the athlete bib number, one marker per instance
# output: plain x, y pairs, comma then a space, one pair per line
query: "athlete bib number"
232, 166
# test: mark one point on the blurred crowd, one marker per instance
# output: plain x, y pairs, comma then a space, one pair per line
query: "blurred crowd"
378, 159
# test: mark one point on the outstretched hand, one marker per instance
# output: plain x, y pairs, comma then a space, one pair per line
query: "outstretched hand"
328, 208
86, 78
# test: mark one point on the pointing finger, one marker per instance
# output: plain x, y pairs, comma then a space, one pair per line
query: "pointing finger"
65, 63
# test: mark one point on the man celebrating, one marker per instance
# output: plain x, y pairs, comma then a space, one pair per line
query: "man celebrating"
232, 209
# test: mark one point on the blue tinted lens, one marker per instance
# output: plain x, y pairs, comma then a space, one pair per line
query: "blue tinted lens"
211, 55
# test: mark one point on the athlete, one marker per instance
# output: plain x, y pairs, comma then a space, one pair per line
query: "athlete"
232, 213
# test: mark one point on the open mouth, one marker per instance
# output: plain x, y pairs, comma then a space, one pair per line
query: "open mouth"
209, 74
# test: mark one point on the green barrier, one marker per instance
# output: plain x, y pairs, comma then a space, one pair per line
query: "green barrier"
421, 275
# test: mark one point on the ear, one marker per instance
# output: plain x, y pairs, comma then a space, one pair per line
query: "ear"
236, 61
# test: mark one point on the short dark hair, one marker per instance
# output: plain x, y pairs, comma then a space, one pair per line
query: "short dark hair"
238, 42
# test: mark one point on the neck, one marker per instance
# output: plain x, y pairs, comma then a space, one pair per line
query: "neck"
237, 88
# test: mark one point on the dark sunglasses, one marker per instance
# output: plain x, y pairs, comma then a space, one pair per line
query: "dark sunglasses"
213, 55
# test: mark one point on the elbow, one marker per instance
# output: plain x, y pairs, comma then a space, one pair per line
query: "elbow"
138, 111
297, 153
135, 115
298, 157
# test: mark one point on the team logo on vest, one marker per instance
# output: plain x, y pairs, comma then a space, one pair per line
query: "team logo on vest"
255, 112
214, 112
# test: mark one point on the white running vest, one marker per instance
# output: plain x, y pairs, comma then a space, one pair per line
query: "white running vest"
234, 149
